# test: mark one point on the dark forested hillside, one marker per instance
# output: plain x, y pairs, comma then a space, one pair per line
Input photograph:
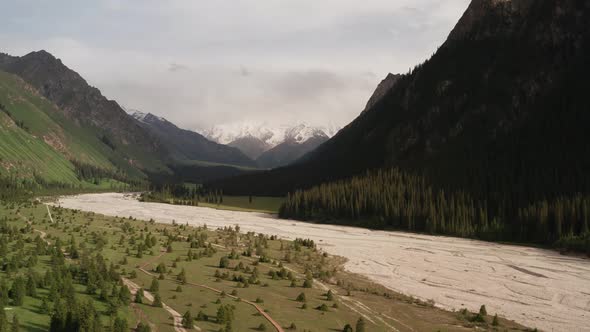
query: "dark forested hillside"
289, 151
498, 113
394, 199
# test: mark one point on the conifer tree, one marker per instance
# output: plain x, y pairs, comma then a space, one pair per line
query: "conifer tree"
15, 324
157, 301
187, 320
155, 285
360, 325
139, 296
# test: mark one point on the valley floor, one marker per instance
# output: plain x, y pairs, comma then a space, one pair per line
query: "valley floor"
535, 287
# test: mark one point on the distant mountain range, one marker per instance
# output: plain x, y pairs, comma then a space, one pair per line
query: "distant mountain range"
271, 146
186, 145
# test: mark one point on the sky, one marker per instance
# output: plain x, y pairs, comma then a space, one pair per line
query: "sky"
204, 63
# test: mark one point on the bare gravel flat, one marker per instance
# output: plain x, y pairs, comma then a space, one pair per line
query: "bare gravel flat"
536, 287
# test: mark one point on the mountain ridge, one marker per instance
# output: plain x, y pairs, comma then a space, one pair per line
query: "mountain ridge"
271, 146
186, 145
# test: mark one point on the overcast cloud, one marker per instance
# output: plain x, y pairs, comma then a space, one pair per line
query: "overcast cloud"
201, 63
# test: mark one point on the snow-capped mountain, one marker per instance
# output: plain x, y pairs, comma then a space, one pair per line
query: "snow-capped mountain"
269, 134
265, 142
144, 117
230, 132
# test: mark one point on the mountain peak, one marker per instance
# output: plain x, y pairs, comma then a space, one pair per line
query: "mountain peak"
384, 86
277, 145
472, 25
302, 132
270, 135
42, 56
146, 117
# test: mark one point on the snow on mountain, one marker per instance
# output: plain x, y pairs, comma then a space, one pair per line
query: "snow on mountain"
301, 133
272, 135
144, 117
229, 132
138, 115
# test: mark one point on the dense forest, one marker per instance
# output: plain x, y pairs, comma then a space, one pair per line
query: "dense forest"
94, 174
397, 200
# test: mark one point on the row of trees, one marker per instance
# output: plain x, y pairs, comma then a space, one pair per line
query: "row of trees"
395, 199
182, 194
16, 188
93, 173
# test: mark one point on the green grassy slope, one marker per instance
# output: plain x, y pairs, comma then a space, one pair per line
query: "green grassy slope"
37, 140
25, 156
44, 121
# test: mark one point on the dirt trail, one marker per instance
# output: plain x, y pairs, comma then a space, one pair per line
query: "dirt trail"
547, 291
274, 323
49, 213
133, 287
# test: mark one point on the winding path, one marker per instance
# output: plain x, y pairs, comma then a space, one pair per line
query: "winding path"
274, 323
133, 287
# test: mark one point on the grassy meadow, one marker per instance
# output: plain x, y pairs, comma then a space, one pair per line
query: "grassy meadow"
216, 275
243, 203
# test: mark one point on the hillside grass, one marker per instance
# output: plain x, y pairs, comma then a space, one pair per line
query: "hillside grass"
24, 156
46, 122
38, 138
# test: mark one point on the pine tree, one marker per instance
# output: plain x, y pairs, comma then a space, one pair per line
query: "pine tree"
330, 295
155, 286
157, 301
3, 321
139, 296
301, 298
360, 325
182, 276
125, 295
18, 291
483, 311
120, 325
187, 320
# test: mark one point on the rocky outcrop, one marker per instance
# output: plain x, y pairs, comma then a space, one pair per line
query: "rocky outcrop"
382, 89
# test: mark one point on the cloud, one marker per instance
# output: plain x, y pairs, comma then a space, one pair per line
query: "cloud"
174, 67
201, 63
244, 71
